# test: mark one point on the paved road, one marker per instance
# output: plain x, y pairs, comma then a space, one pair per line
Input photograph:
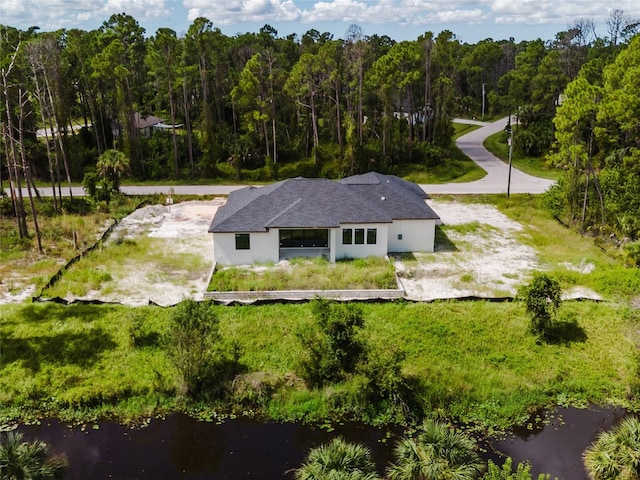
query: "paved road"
497, 171
494, 182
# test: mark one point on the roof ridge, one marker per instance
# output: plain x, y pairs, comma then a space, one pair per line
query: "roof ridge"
282, 212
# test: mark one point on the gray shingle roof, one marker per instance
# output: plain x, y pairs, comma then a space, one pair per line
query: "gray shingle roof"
321, 203
400, 198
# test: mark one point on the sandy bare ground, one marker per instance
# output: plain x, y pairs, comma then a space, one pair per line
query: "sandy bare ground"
480, 253
14, 287
178, 262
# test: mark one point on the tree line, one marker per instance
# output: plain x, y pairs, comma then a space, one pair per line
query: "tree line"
264, 107
598, 145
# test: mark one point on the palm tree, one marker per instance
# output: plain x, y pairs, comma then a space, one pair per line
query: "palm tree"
338, 460
111, 165
616, 454
436, 453
22, 460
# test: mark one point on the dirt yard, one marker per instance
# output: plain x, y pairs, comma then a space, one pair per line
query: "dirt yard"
478, 253
179, 259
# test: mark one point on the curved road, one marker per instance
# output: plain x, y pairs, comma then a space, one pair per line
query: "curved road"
494, 182
497, 176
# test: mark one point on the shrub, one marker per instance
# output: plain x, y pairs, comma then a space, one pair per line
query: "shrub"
436, 452
632, 254
523, 472
614, 455
383, 370
190, 342
543, 298
340, 460
330, 344
28, 460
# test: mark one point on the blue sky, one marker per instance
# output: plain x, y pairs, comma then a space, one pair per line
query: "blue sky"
469, 20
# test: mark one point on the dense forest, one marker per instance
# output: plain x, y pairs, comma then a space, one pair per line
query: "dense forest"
257, 106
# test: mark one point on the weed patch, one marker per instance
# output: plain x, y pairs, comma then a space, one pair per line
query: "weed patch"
473, 361
305, 274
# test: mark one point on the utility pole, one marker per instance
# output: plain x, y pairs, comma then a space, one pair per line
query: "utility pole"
483, 95
509, 130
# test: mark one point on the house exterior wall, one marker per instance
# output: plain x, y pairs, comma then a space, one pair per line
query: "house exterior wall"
379, 249
417, 236
264, 247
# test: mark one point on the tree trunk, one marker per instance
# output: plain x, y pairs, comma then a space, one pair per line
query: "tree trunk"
12, 184
273, 111
596, 182
410, 114
14, 173
27, 170
314, 127
585, 199
187, 121
172, 107
339, 119
46, 138
360, 115
101, 145
60, 142
427, 89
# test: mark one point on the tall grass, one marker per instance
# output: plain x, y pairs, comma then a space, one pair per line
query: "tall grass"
474, 361
307, 274
64, 235
116, 260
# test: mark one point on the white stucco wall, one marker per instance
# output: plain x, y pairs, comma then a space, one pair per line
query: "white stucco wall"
361, 251
333, 241
264, 248
417, 236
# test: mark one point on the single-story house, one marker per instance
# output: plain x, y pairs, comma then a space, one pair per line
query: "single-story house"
355, 217
146, 124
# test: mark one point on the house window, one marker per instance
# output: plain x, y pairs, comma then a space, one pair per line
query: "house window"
347, 236
372, 234
300, 238
359, 236
242, 241
399, 236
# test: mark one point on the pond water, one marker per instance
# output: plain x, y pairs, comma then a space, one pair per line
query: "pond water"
556, 445
182, 448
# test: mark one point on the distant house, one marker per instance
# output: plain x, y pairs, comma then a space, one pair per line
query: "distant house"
146, 124
356, 217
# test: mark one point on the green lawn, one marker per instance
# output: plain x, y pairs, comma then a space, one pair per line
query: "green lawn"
459, 168
463, 128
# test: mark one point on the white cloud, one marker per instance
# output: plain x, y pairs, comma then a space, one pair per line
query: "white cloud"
402, 12
560, 12
54, 14
226, 12
401, 15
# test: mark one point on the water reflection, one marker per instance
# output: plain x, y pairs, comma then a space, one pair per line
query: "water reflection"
556, 446
182, 448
